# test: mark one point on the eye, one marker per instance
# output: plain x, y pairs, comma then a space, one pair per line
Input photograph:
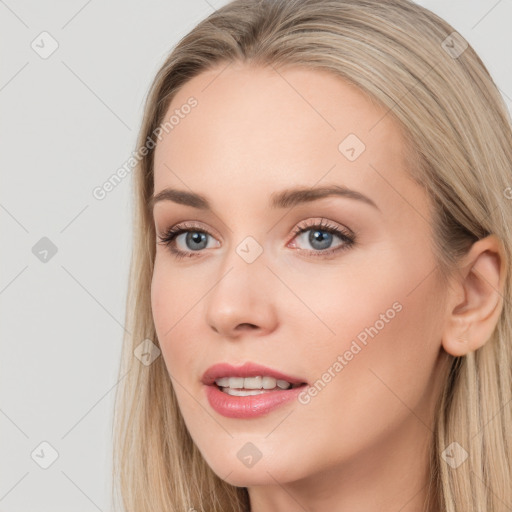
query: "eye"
195, 237
320, 238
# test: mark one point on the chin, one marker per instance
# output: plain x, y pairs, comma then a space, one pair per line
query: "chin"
261, 473
248, 477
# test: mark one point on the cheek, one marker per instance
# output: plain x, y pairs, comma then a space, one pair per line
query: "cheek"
382, 299
347, 302
174, 299
165, 308
161, 302
383, 336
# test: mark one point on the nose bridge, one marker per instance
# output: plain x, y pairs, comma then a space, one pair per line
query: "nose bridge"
246, 255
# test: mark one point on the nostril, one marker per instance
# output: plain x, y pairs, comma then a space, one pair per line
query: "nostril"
247, 326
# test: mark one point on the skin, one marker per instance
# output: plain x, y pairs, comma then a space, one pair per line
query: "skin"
362, 443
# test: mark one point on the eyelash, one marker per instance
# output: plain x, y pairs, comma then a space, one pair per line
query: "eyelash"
349, 239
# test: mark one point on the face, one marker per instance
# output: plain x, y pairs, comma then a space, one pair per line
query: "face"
337, 293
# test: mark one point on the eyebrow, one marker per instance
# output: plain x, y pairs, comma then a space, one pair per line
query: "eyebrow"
284, 199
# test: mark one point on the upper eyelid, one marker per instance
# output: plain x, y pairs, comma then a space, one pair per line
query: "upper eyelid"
301, 225
190, 226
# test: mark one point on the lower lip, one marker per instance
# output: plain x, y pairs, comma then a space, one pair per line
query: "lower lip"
250, 406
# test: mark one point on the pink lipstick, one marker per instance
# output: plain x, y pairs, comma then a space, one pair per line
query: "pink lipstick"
250, 390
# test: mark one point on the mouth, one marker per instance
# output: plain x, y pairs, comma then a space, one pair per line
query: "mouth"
249, 390
247, 386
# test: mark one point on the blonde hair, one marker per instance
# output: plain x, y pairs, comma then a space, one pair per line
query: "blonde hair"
458, 134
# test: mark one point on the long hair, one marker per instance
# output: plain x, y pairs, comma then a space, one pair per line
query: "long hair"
458, 135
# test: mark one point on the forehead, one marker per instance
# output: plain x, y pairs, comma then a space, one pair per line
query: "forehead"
255, 128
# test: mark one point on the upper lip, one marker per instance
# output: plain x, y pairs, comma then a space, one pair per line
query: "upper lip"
248, 369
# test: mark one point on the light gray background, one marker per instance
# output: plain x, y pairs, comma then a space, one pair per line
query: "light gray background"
68, 122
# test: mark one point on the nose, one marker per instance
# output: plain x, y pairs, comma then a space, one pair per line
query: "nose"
241, 300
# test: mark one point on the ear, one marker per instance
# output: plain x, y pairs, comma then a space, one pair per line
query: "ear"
475, 299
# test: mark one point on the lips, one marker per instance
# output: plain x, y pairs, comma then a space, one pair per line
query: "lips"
220, 370
248, 404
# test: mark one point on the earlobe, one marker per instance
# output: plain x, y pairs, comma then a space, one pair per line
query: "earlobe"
475, 301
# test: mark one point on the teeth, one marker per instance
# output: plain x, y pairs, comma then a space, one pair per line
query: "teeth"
283, 384
251, 383
236, 382
223, 382
243, 392
269, 382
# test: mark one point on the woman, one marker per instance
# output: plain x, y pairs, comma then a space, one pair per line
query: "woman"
319, 303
